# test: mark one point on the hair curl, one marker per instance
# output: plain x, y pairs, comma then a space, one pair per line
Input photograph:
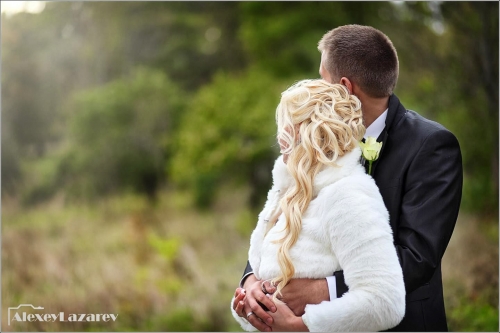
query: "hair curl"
318, 122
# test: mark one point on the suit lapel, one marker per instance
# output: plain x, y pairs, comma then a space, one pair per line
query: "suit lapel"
394, 115
381, 138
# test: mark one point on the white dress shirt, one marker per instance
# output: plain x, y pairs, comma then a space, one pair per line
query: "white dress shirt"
377, 126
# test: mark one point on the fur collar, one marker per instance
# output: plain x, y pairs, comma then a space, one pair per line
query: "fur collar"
328, 174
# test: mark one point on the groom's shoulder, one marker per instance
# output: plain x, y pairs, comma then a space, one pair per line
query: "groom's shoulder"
408, 121
414, 118
423, 131
417, 126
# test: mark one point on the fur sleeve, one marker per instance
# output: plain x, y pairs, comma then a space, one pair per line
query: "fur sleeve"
281, 180
357, 224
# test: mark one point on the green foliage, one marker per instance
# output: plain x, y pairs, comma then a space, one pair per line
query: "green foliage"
228, 133
42, 180
473, 316
282, 37
449, 75
200, 38
181, 320
11, 166
453, 79
28, 116
167, 248
120, 135
245, 223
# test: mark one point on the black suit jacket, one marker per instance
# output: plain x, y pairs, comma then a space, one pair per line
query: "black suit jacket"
419, 174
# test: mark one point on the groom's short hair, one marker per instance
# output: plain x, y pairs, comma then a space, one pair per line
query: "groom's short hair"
364, 55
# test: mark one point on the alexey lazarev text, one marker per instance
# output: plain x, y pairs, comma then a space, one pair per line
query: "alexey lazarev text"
52, 317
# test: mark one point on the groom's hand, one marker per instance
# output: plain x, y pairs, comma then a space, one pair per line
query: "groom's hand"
300, 292
254, 295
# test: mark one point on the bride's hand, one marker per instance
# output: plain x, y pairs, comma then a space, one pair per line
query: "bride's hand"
284, 320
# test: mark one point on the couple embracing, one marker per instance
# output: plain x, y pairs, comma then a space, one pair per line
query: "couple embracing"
349, 241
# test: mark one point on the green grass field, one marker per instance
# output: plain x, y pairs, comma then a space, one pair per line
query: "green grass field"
169, 267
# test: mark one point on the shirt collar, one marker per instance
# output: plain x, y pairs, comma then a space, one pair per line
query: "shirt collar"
377, 126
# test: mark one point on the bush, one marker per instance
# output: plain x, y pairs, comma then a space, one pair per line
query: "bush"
120, 135
228, 133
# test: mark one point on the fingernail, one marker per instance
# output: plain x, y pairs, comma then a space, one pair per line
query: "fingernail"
268, 330
269, 321
241, 303
273, 308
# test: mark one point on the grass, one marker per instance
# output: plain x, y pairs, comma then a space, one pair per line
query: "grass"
160, 268
470, 276
169, 267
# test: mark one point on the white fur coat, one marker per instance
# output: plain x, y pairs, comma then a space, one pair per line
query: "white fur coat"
346, 227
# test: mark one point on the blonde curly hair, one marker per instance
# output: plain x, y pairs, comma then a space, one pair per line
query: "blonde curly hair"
318, 122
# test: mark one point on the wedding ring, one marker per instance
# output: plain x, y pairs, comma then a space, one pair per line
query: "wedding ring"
263, 288
250, 313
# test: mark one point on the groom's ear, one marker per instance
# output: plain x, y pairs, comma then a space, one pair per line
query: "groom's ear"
347, 83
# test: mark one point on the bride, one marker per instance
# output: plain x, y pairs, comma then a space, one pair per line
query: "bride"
323, 214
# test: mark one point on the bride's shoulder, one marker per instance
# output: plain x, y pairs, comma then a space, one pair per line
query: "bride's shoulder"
351, 190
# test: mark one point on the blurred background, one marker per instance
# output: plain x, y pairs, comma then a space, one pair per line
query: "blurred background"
138, 140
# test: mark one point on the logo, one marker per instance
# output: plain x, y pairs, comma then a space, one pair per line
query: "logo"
23, 316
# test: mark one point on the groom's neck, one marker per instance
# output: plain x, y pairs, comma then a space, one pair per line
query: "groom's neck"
372, 108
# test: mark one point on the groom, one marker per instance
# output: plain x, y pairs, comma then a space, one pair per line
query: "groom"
418, 172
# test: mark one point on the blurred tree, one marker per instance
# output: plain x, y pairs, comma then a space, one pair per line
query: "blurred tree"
448, 59
28, 112
228, 133
190, 41
449, 72
11, 168
282, 37
120, 135
74, 46
473, 62
26, 119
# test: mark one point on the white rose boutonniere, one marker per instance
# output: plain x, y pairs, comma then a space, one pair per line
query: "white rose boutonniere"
371, 150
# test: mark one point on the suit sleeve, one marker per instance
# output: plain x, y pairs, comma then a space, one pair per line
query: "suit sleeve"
430, 205
248, 271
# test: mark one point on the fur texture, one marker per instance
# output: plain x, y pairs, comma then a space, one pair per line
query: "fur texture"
346, 227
